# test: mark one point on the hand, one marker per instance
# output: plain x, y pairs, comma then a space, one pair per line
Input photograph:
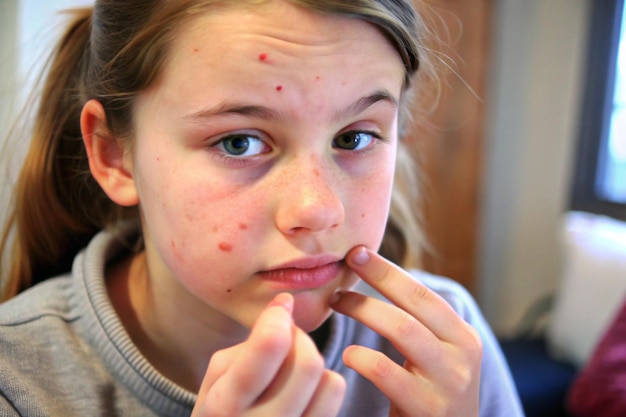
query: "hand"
441, 372
277, 371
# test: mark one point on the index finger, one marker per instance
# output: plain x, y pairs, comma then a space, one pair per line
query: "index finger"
258, 360
405, 292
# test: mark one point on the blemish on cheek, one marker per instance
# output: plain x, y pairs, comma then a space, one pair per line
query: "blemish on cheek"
243, 226
229, 290
362, 215
316, 173
263, 57
225, 247
215, 229
195, 50
317, 78
175, 250
279, 87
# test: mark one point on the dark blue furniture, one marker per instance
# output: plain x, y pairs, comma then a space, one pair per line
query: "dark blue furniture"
542, 381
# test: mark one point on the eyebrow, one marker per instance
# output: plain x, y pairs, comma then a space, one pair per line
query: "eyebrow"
266, 113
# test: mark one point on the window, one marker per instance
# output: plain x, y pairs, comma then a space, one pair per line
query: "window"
613, 169
600, 177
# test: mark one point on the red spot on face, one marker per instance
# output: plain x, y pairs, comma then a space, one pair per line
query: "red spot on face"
317, 78
279, 87
195, 50
263, 57
243, 226
316, 173
225, 247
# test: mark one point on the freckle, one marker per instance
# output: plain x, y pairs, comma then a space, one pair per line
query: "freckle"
195, 50
229, 290
243, 226
263, 57
279, 87
215, 229
317, 78
362, 215
226, 247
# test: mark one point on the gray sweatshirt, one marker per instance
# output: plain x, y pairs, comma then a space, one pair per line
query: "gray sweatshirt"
64, 352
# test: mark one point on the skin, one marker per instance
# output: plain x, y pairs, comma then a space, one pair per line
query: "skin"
201, 302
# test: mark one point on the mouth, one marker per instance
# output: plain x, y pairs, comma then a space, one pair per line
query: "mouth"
304, 274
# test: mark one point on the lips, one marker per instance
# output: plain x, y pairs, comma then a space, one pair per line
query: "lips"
306, 273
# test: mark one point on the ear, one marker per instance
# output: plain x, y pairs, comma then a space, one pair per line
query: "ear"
108, 162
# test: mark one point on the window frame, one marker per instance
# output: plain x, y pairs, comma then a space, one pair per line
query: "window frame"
599, 88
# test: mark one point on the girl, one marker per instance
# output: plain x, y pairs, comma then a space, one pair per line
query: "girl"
242, 156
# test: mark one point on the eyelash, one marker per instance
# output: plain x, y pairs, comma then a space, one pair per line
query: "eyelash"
242, 162
375, 137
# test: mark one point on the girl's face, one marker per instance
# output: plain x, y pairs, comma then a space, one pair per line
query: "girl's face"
265, 152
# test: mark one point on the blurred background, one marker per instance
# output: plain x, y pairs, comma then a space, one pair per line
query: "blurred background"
524, 153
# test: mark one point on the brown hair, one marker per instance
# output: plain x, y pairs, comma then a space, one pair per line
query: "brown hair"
111, 53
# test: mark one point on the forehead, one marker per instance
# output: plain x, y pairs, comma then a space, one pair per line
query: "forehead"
277, 54
229, 28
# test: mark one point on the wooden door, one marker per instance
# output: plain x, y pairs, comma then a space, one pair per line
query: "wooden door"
449, 143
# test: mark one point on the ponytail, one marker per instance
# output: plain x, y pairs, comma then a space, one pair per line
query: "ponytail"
50, 218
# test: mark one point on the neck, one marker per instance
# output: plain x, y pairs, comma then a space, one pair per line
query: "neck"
168, 334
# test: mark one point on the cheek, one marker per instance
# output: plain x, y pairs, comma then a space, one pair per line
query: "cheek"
370, 209
196, 224
209, 224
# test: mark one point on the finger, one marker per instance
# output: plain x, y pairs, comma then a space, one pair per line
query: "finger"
259, 359
411, 337
328, 397
406, 292
220, 362
297, 380
399, 386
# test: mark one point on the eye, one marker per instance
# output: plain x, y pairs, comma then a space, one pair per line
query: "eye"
354, 140
241, 145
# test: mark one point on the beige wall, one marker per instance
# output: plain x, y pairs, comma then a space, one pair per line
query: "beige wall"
539, 48
8, 59
8, 86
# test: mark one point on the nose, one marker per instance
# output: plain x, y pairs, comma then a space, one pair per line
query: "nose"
309, 201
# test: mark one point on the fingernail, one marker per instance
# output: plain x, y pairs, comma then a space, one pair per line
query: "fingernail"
283, 300
360, 256
335, 297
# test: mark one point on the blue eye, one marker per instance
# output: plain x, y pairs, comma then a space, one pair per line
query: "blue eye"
242, 145
354, 140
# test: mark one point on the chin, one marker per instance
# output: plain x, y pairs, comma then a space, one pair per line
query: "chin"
310, 311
